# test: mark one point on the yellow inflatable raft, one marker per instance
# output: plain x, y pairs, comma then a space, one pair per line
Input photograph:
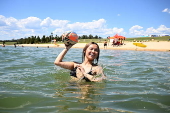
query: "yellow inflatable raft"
139, 44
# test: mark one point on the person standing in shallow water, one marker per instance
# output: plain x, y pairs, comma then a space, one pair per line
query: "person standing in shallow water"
88, 70
105, 44
15, 45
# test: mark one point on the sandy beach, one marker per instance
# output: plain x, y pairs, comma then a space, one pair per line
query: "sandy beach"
150, 46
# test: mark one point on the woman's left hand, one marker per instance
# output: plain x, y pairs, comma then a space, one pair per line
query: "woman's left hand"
81, 68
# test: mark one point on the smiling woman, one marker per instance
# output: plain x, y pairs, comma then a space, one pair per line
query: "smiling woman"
88, 70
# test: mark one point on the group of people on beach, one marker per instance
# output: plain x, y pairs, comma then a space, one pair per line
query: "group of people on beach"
115, 42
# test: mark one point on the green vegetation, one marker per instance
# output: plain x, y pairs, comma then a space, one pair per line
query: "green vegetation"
8, 43
91, 40
82, 39
45, 39
163, 38
137, 39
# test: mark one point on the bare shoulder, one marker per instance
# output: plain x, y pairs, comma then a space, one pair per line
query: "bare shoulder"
97, 67
76, 63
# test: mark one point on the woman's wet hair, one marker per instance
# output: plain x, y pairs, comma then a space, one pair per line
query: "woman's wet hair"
95, 61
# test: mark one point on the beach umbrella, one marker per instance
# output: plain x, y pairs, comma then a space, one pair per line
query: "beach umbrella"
119, 37
111, 37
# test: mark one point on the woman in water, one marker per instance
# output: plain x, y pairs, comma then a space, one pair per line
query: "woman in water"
88, 70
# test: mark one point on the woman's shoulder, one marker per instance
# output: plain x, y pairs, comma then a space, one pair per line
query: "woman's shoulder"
76, 63
97, 67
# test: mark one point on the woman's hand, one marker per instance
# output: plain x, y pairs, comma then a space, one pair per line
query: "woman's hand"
68, 46
81, 68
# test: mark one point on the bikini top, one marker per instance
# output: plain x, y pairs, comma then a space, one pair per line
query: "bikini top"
73, 73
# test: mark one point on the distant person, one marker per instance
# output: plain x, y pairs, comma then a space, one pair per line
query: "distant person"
88, 70
15, 45
121, 41
3, 45
105, 44
113, 42
116, 40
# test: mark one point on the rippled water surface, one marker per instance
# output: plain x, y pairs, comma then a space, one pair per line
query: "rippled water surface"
138, 82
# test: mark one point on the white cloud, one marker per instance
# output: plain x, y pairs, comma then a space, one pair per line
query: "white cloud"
18, 28
8, 23
85, 28
166, 10
96, 27
151, 30
117, 30
95, 24
48, 22
162, 29
118, 14
135, 28
138, 30
35, 26
59, 23
2, 21
31, 23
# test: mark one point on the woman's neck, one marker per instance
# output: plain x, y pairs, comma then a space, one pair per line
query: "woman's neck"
87, 62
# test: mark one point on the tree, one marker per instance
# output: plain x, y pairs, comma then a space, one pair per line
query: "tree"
25, 41
38, 39
21, 41
47, 39
90, 36
43, 39
32, 40
96, 37
59, 38
28, 40
84, 37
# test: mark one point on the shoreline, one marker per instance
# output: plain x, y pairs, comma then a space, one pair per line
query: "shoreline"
150, 46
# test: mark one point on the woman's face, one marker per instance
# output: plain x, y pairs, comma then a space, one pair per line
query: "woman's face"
92, 52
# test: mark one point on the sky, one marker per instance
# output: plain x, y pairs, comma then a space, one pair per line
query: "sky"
129, 18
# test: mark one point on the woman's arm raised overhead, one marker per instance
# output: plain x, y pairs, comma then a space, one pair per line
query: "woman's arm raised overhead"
58, 61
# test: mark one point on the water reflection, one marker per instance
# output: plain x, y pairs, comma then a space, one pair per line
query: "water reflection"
138, 81
80, 96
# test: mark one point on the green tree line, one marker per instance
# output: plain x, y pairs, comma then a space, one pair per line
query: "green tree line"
47, 39
37, 39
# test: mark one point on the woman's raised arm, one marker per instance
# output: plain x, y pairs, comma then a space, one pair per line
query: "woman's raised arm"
58, 61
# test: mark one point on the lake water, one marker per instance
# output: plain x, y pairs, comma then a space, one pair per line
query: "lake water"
138, 82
